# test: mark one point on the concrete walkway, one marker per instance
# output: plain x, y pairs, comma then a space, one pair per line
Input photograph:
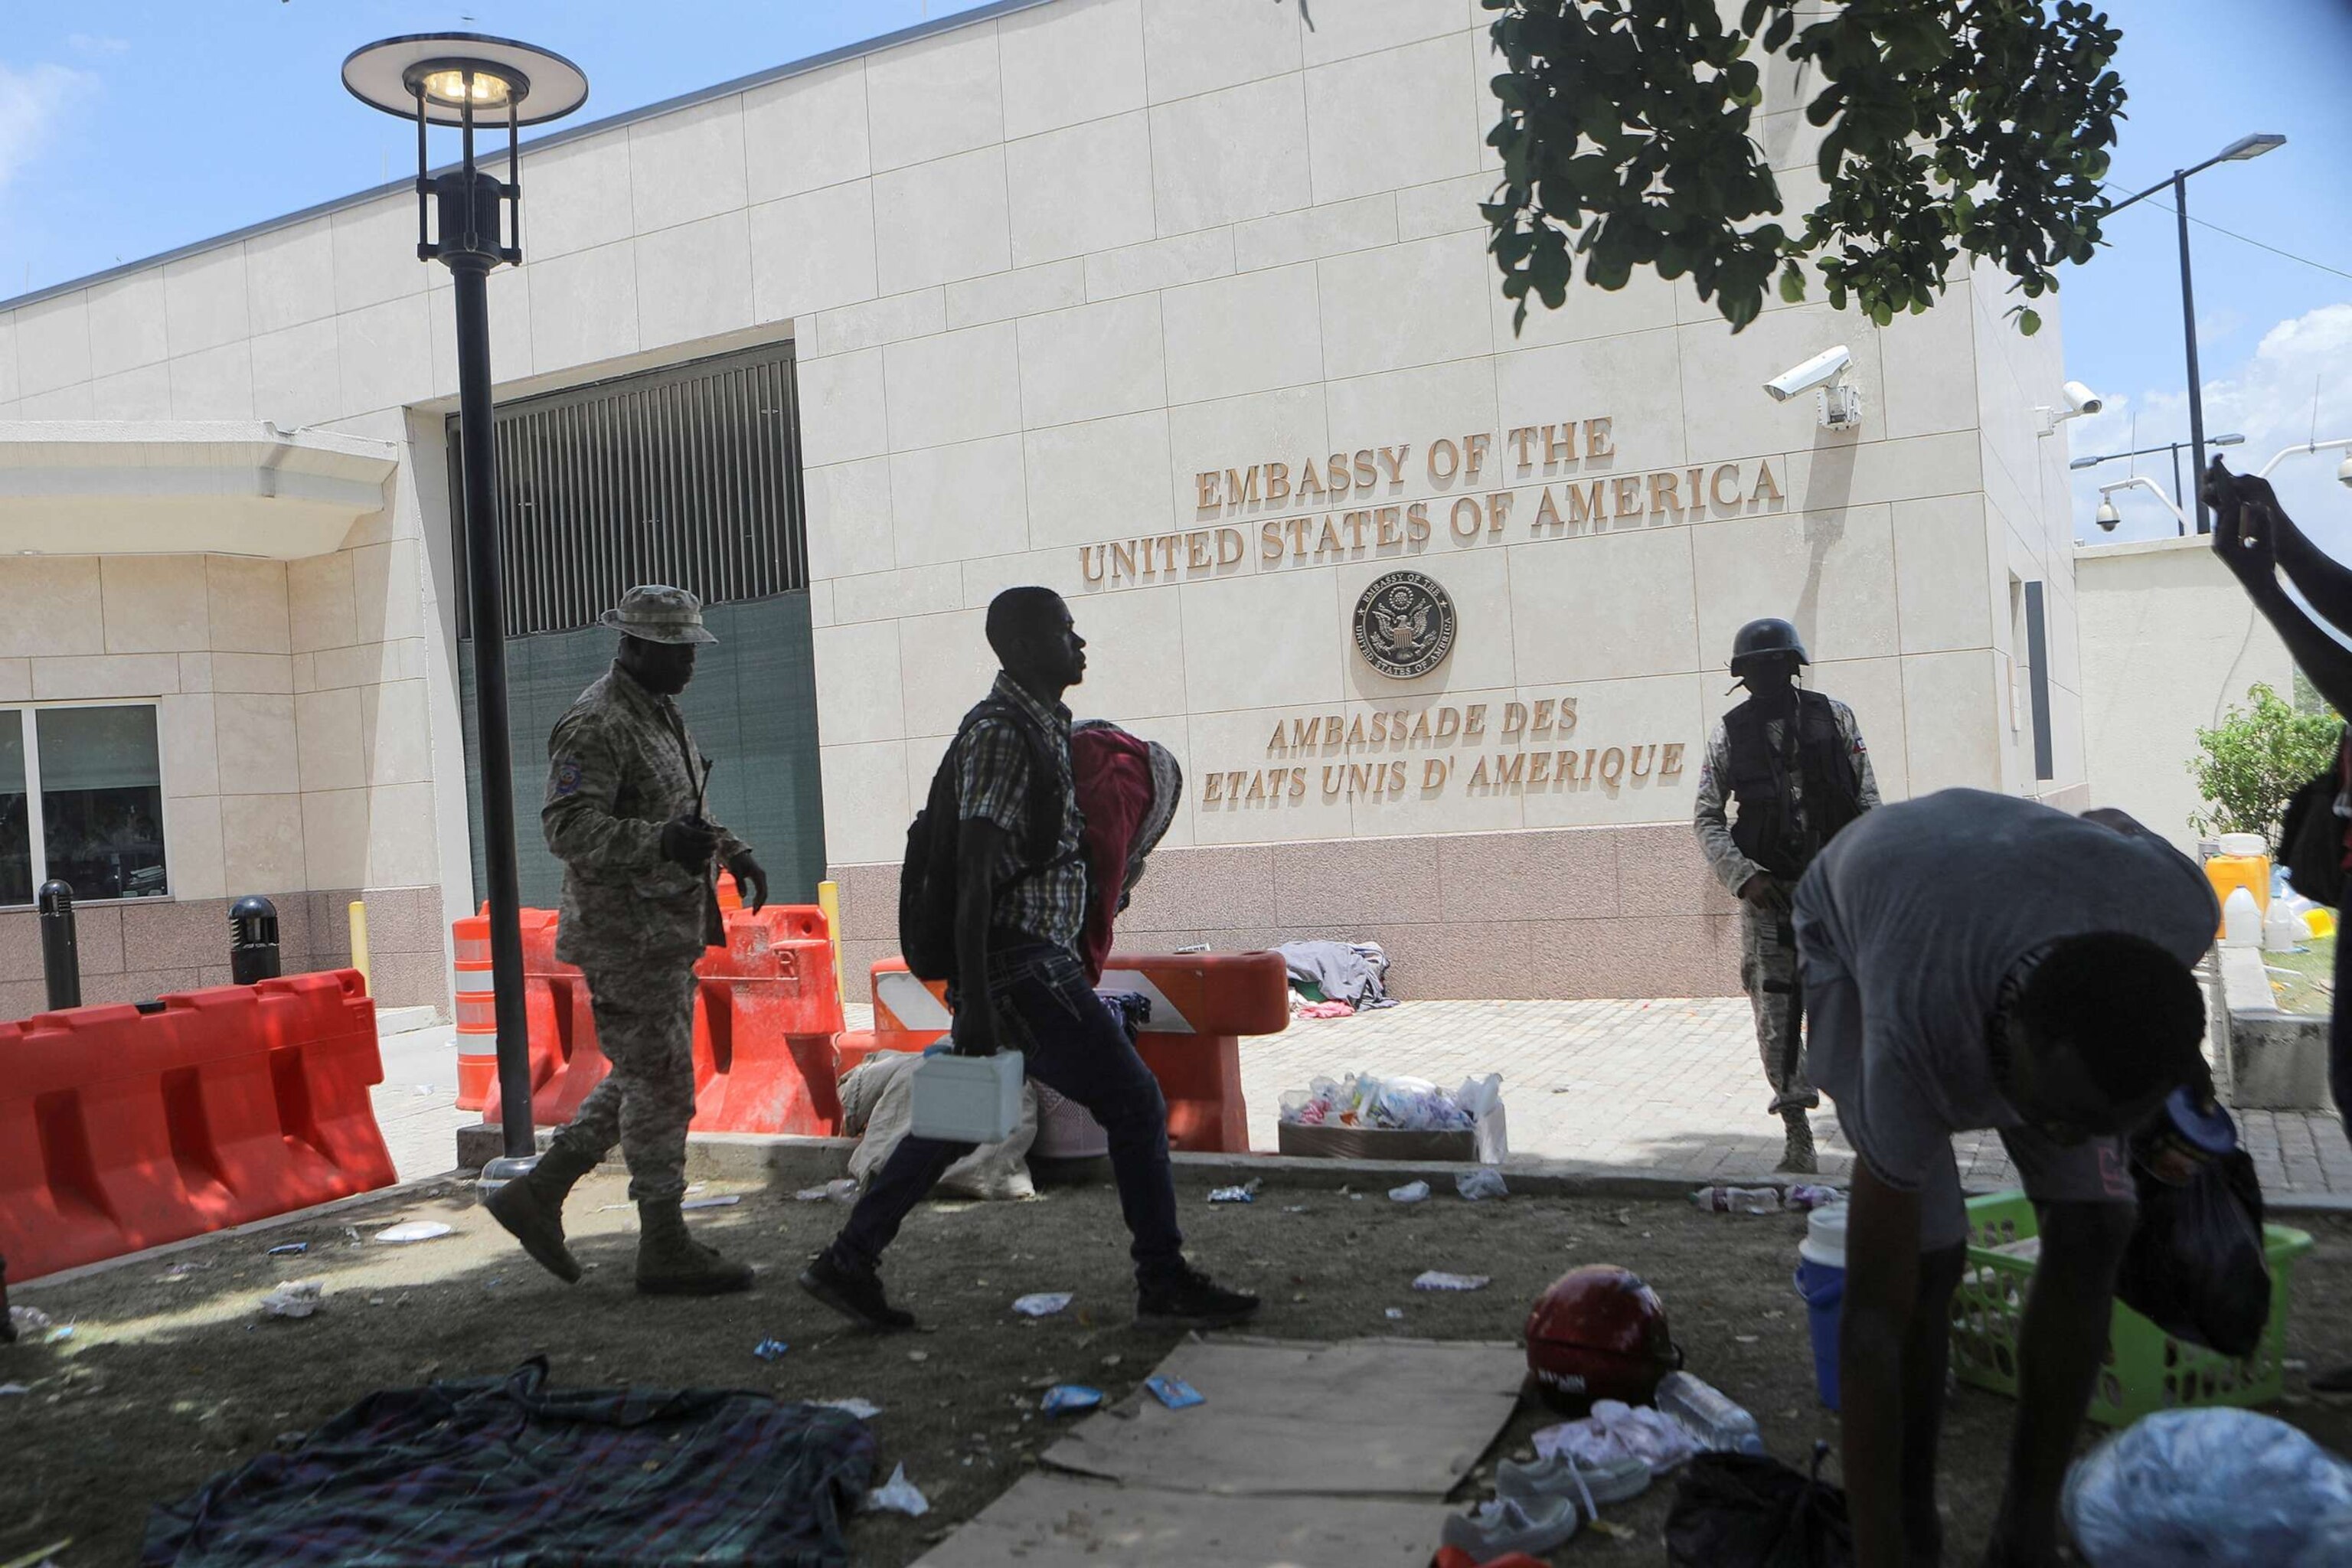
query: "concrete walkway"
1662, 1084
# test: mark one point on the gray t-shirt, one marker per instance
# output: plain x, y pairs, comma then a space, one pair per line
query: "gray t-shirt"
1923, 908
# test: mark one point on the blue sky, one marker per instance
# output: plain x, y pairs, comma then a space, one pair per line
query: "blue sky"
129, 128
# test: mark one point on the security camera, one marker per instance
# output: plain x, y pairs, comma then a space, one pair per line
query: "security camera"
1817, 371
2079, 400
2344, 473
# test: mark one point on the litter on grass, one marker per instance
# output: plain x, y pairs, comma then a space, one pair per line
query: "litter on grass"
1044, 1304
863, 1409
413, 1230
1437, 1279
10, 1390
1174, 1393
1486, 1182
1737, 1200
898, 1495
27, 1319
1411, 1193
840, 1190
770, 1350
295, 1299
1245, 1194
1068, 1398
292, 1249
730, 1201
1395, 1314
1806, 1196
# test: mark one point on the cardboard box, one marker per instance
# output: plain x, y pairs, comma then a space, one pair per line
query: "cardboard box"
1485, 1144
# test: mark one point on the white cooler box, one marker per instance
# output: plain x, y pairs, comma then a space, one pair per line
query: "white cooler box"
967, 1100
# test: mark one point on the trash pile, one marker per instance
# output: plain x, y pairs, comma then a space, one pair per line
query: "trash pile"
1337, 979
1392, 1104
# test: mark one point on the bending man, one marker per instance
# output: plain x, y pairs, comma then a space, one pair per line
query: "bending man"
1977, 960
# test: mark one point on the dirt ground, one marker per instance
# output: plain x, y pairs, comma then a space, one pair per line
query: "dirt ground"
171, 1374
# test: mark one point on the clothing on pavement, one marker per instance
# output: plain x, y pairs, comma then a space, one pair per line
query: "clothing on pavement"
996, 772
1908, 925
1353, 972
506, 1471
644, 1026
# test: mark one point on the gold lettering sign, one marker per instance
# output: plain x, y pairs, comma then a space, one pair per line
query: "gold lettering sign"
1533, 481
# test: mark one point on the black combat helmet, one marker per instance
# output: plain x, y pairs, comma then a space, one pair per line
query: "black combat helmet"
1770, 634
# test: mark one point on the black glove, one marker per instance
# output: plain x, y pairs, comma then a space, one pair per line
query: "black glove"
688, 841
750, 880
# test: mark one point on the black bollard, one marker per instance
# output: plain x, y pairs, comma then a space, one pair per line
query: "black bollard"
60, 954
252, 940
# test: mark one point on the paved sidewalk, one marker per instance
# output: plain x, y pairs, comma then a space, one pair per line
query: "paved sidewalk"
1663, 1084
416, 1103
1666, 1083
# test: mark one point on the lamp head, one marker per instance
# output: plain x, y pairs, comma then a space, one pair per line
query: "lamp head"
2253, 146
508, 79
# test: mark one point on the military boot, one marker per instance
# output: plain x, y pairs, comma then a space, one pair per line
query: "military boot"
1797, 1157
531, 1209
672, 1263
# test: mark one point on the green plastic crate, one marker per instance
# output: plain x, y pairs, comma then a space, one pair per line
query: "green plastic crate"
2146, 1369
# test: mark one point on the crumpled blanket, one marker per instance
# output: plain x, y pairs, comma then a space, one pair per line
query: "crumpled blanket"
501, 1470
1354, 972
878, 1108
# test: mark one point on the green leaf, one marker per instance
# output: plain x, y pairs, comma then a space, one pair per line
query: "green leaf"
2029, 322
1792, 283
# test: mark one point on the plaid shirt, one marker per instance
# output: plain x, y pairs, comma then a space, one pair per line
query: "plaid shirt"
993, 777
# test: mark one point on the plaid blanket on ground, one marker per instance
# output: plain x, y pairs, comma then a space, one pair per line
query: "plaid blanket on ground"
500, 1471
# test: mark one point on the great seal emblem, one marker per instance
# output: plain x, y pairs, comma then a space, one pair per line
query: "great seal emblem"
1404, 624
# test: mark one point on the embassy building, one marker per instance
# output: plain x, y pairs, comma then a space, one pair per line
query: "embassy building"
1179, 307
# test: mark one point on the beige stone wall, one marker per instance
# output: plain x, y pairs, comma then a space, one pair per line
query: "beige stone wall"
1596, 911
139, 949
291, 727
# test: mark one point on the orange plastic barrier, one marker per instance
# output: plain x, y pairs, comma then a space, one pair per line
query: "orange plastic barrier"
766, 1008
122, 1129
1201, 1004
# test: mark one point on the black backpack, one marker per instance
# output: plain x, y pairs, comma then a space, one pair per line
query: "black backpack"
927, 878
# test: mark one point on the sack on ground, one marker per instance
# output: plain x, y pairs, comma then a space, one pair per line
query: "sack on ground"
2216, 1488
2195, 1266
877, 1097
1741, 1510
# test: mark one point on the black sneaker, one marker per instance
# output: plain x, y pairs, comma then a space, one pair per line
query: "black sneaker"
1190, 1300
855, 1293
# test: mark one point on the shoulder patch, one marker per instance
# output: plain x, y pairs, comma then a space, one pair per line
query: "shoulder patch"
567, 777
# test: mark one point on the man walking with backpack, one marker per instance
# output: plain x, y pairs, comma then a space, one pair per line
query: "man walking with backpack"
996, 897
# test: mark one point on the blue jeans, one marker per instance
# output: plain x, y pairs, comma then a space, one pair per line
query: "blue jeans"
1076, 1047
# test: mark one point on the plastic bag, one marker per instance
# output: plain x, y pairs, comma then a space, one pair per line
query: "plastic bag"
1615, 1432
1742, 1510
2195, 1266
2229, 1488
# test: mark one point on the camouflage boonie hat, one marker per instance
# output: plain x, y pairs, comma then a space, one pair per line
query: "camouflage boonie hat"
658, 613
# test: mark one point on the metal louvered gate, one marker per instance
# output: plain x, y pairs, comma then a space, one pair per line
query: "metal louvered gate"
689, 476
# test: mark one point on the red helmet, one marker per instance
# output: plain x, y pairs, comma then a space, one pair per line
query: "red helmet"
1599, 1333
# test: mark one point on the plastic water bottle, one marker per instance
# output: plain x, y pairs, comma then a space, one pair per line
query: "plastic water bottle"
1707, 1414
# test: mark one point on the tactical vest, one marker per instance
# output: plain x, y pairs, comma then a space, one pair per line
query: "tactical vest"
1780, 835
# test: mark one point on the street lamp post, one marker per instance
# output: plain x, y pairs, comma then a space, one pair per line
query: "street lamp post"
2237, 151
450, 79
2171, 446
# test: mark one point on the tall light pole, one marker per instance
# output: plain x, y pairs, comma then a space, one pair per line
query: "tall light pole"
453, 80
2171, 446
2237, 151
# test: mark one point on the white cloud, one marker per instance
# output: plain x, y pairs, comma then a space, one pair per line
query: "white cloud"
32, 103
2295, 388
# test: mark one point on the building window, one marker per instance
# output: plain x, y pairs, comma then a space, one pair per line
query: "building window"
81, 802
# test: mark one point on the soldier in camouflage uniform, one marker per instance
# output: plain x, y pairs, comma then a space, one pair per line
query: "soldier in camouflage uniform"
1797, 784
624, 813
